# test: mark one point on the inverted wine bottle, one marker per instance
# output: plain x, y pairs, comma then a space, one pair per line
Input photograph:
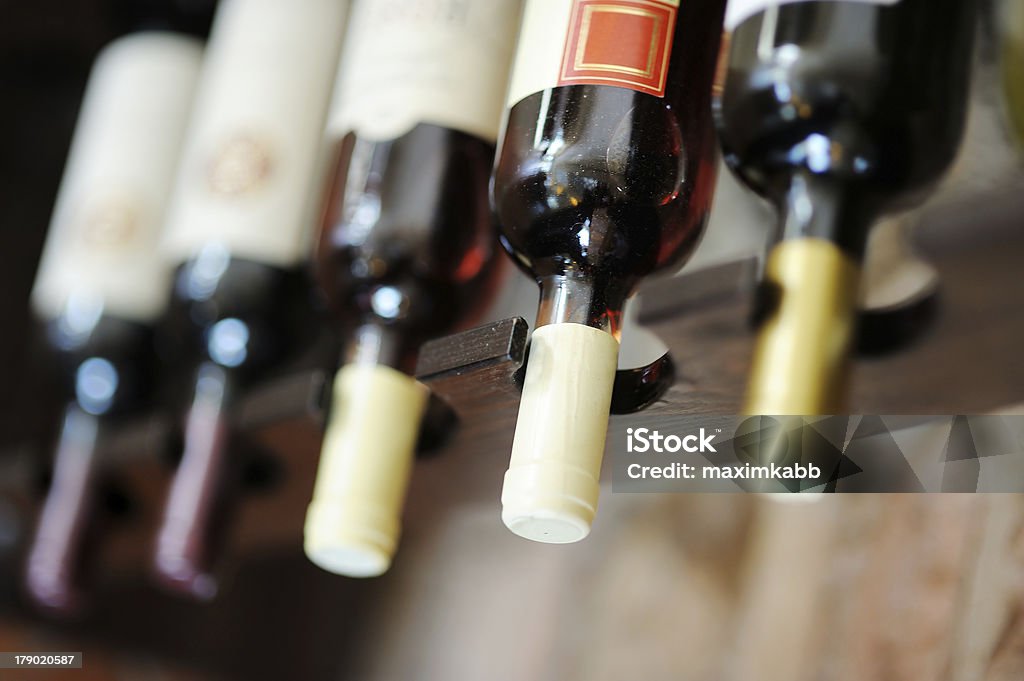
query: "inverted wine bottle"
836, 112
605, 174
406, 247
100, 287
238, 229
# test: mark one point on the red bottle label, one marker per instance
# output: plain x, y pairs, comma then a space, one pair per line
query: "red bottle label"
625, 43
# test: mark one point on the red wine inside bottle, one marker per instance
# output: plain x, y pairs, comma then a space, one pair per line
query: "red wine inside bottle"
605, 174
100, 287
238, 227
421, 262
406, 249
835, 111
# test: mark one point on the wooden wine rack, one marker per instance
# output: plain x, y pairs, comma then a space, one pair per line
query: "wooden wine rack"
908, 587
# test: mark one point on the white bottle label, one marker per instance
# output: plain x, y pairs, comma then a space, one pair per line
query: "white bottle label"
101, 247
406, 62
739, 11
250, 175
623, 43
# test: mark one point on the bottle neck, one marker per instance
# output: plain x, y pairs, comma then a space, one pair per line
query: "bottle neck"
807, 304
57, 555
379, 344
575, 298
823, 208
188, 539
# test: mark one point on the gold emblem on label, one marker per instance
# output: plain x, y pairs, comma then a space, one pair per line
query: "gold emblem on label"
241, 166
111, 223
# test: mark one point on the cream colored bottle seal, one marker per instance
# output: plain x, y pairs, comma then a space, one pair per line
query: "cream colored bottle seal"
354, 520
551, 486
799, 366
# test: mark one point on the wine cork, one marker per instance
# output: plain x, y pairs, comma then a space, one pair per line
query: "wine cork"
353, 522
800, 361
551, 486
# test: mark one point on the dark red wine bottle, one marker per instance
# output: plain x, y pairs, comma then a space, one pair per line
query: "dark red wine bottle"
836, 112
101, 288
605, 175
406, 247
238, 228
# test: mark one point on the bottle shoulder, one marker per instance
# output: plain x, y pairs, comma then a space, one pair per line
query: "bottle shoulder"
870, 95
596, 176
407, 225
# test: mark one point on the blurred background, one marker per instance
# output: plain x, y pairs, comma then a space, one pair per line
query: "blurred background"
701, 587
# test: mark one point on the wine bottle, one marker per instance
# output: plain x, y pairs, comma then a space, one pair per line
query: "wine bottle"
605, 174
238, 229
406, 246
100, 287
836, 112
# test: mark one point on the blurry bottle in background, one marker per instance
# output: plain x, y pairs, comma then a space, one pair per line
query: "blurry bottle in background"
238, 230
406, 247
836, 112
605, 174
100, 287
